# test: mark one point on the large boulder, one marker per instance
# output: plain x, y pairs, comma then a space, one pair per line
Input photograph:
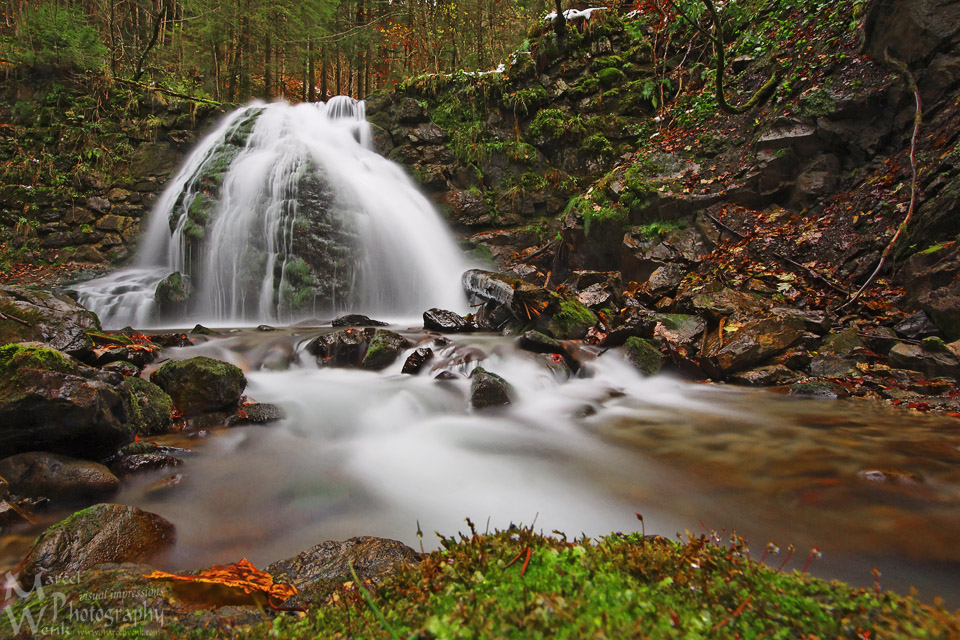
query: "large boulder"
50, 401
59, 478
754, 343
99, 534
53, 319
931, 362
201, 384
315, 573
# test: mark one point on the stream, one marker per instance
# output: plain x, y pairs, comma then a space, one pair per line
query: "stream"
383, 453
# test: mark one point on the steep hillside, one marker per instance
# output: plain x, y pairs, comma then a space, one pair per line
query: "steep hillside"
605, 166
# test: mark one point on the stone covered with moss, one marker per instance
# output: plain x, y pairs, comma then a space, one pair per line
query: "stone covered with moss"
200, 384
644, 355
150, 407
384, 348
572, 321
49, 401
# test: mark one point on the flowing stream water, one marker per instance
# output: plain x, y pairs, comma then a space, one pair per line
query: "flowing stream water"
382, 453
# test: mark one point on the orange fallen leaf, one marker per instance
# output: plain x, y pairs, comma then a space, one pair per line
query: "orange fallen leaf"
220, 585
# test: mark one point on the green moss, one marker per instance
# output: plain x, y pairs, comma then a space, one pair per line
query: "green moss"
384, 348
572, 321
644, 355
200, 209
150, 409
610, 77
531, 181
599, 218
586, 86
14, 357
598, 144
193, 231
554, 124
13, 331
481, 253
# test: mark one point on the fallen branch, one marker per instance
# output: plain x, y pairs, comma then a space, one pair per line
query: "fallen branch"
7, 316
779, 256
917, 121
168, 92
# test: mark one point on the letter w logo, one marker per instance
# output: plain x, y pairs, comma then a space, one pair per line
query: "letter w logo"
12, 585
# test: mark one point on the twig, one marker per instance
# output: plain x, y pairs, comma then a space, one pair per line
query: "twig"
917, 120
780, 256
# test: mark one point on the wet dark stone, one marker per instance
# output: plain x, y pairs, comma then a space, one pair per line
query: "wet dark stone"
488, 389
317, 572
357, 320
416, 360
144, 462
257, 413
446, 375
97, 535
824, 390
57, 477
446, 321
644, 355
55, 320
384, 348
344, 348
916, 326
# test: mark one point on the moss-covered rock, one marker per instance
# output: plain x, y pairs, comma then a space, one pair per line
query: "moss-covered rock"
644, 355
201, 384
173, 295
49, 401
150, 407
384, 348
102, 533
572, 321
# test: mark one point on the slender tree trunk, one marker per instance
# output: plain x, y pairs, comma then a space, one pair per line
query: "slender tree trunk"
311, 72
267, 67
323, 75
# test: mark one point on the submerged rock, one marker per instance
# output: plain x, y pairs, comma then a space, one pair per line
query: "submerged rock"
257, 413
51, 402
315, 573
488, 389
201, 384
384, 348
97, 535
57, 477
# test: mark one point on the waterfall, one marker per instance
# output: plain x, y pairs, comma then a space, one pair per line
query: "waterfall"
285, 212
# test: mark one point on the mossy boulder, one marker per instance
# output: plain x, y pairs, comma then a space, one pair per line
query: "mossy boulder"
384, 348
59, 478
644, 355
201, 384
97, 535
572, 321
487, 389
150, 408
51, 402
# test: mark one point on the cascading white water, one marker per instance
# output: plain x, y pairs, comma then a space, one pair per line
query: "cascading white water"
238, 233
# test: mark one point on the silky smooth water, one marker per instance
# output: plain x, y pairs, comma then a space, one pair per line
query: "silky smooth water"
405, 261
381, 453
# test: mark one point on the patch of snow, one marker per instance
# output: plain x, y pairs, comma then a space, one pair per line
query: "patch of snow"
572, 14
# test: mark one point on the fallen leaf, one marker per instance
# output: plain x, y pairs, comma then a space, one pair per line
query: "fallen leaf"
227, 584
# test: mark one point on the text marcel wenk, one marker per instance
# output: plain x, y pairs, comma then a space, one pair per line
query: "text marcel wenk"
63, 615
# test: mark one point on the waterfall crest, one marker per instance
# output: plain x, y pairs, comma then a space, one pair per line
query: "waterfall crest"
284, 212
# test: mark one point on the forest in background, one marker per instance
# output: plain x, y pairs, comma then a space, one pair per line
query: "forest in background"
234, 50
